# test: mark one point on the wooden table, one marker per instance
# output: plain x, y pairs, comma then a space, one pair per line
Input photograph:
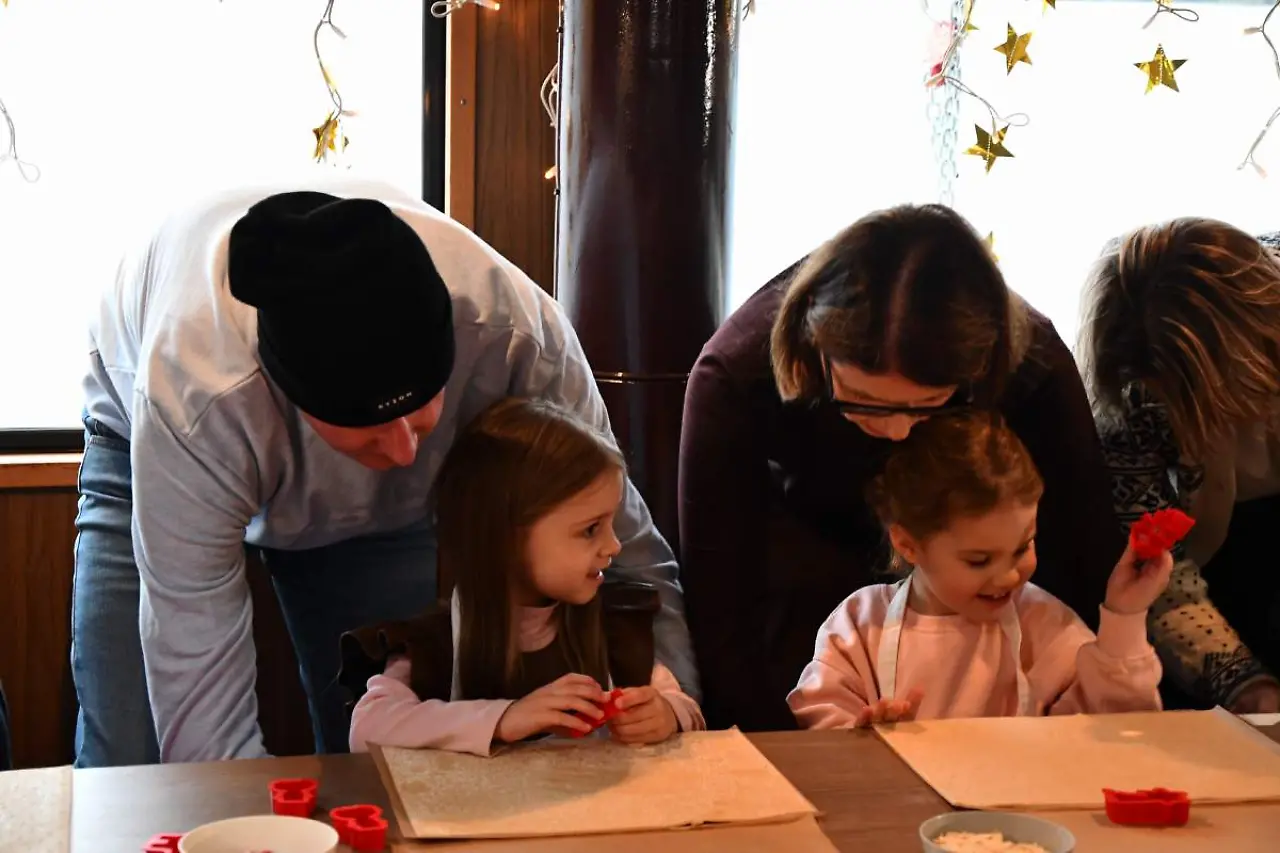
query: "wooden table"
869, 799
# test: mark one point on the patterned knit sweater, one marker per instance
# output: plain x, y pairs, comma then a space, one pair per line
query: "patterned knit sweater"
1200, 650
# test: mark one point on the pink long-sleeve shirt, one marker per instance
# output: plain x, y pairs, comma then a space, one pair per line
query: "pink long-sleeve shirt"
391, 714
966, 669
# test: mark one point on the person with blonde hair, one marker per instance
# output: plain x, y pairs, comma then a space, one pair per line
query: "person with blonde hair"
1180, 353
793, 407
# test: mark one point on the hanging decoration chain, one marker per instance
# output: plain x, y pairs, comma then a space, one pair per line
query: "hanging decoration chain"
1261, 30
445, 8
943, 111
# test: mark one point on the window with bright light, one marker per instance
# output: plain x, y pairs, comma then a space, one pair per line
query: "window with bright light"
834, 121
129, 108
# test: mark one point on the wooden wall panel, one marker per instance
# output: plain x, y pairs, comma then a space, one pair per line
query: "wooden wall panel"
37, 540
37, 533
515, 144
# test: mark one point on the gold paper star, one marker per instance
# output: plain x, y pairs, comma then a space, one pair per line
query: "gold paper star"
968, 16
1052, 4
327, 136
1014, 49
990, 241
990, 147
1160, 70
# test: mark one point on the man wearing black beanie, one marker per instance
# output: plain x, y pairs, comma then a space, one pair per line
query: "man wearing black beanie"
287, 370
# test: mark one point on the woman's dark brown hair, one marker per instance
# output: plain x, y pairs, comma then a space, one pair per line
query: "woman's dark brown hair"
1189, 309
950, 467
511, 466
911, 290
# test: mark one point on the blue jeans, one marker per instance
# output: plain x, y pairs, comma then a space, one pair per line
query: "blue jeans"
322, 593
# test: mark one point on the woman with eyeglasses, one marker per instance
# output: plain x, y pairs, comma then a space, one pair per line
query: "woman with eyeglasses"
793, 406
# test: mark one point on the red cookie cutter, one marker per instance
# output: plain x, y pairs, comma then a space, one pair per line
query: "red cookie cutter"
1157, 532
360, 827
293, 797
1151, 807
610, 709
166, 842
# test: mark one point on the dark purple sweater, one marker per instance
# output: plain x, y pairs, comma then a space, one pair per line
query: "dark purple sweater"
775, 532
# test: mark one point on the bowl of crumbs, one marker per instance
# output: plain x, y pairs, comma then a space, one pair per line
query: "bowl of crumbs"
261, 834
994, 832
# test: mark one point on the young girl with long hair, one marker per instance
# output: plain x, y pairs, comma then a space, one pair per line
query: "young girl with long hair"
535, 635
966, 634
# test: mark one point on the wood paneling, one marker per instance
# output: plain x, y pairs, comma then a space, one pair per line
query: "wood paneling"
37, 541
37, 534
515, 143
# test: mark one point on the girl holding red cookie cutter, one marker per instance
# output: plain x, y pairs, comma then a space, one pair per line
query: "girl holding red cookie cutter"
535, 641
966, 634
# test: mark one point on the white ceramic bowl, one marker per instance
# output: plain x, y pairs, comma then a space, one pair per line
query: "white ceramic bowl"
1019, 828
276, 833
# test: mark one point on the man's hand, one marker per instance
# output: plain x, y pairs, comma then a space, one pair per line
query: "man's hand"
645, 716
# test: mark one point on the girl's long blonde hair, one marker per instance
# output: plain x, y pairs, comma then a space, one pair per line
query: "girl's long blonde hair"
511, 466
1190, 310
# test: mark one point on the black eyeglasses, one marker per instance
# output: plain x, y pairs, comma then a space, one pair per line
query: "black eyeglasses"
961, 401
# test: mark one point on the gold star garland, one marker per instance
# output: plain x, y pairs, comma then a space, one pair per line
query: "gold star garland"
990, 143
1261, 30
330, 133
1160, 70
1014, 49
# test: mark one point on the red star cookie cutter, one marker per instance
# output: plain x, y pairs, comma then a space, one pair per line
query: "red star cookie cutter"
1158, 532
166, 842
293, 797
360, 827
610, 709
1150, 807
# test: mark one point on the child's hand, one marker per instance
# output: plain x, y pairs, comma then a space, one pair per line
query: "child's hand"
1136, 584
644, 716
552, 707
890, 710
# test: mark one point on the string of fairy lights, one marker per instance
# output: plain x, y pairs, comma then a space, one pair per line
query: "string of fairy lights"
331, 138
1160, 71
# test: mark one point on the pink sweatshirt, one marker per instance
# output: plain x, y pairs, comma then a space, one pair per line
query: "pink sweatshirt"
965, 669
390, 713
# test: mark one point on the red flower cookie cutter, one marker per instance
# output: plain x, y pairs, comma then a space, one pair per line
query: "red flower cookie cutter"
360, 827
1157, 532
293, 797
166, 842
1151, 807
610, 709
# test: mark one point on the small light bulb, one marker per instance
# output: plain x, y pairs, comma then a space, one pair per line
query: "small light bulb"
489, 4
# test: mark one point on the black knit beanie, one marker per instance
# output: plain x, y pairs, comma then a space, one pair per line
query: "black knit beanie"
354, 322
